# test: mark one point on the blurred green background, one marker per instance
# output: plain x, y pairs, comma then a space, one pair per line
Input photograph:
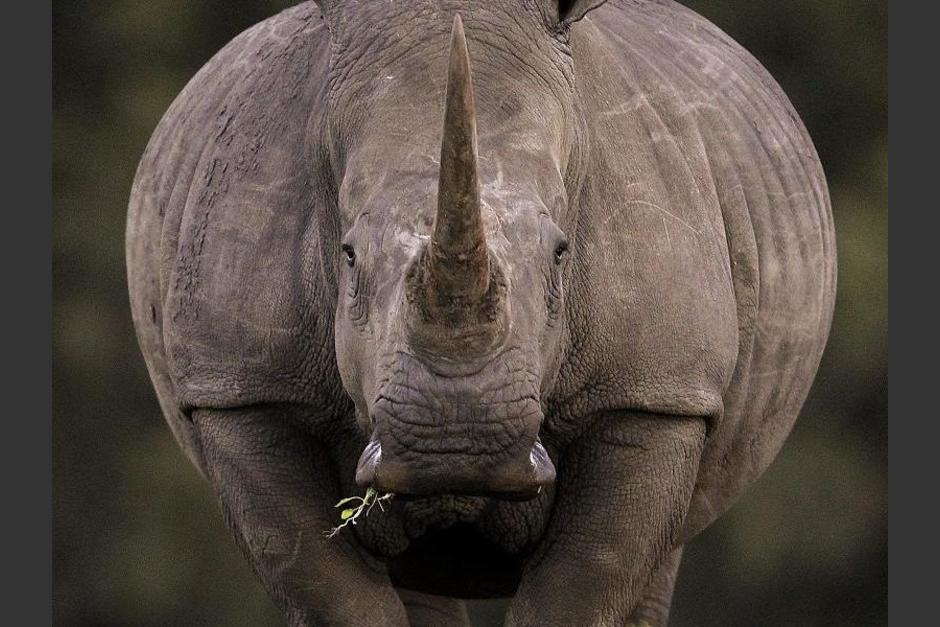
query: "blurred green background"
138, 539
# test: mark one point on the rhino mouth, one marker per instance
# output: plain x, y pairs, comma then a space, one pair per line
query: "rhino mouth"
520, 478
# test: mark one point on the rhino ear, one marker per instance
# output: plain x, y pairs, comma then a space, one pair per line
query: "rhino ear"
325, 6
570, 11
327, 10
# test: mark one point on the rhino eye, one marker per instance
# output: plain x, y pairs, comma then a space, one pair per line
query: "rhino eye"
560, 251
349, 255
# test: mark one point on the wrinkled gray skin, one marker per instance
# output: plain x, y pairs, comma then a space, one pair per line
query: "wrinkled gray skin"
281, 244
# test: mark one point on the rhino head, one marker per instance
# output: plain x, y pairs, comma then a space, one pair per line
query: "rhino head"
455, 168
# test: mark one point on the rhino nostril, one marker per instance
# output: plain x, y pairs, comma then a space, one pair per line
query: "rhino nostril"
542, 466
368, 462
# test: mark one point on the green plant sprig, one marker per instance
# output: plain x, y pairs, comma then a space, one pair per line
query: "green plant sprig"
363, 507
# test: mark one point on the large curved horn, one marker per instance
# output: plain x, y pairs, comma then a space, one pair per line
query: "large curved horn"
459, 257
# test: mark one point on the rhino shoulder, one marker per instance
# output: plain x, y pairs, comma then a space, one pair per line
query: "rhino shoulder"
709, 218
230, 200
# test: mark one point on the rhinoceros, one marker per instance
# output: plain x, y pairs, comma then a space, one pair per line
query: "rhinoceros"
557, 275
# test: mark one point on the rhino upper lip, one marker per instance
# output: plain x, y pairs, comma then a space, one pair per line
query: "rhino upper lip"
401, 417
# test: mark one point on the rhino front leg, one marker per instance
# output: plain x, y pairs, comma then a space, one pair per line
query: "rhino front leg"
622, 495
653, 610
427, 610
277, 487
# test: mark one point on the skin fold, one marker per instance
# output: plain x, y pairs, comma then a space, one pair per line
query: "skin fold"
557, 274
